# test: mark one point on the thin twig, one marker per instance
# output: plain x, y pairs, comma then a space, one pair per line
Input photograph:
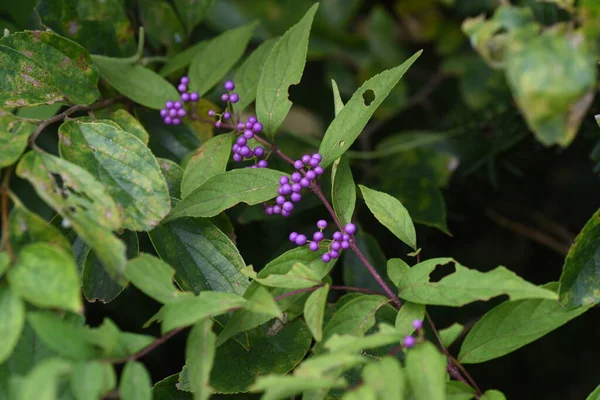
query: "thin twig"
4, 213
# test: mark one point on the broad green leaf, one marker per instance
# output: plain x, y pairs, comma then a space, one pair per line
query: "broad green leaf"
13, 138
42, 383
135, 182
167, 390
126, 121
298, 277
189, 309
392, 214
219, 55
580, 280
80, 199
114, 343
153, 277
183, 59
222, 191
162, 25
407, 314
328, 364
64, 337
343, 190
362, 392
493, 395
426, 372
464, 285
314, 311
27, 227
354, 344
140, 84
46, 276
200, 355
260, 301
192, 12
456, 390
512, 325
553, 100
338, 104
277, 387
386, 377
68, 63
247, 75
96, 281
282, 69
595, 395
12, 310
451, 333
92, 380
135, 382
173, 174
203, 257
349, 123
209, 160
26, 82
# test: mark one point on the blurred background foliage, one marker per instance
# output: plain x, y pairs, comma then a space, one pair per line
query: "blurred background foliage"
489, 140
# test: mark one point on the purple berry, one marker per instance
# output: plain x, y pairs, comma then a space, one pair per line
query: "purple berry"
276, 209
237, 157
176, 121
269, 210
262, 164
257, 127
241, 141
296, 188
181, 112
252, 120
218, 124
240, 126
296, 177
164, 112
300, 240
229, 85
305, 158
211, 113
346, 237
313, 246
334, 254
172, 112
169, 104
280, 200
259, 151
224, 97
248, 134
168, 120
318, 236
350, 229
234, 98
182, 88
245, 151
321, 224
336, 246
310, 175
226, 115
313, 162
318, 170
184, 80
283, 180
417, 324
409, 342
252, 166
337, 235
304, 182
293, 236
285, 213
296, 197
316, 156
345, 244
298, 164
194, 96
288, 206
235, 148
177, 105
326, 257
248, 125
185, 97
285, 189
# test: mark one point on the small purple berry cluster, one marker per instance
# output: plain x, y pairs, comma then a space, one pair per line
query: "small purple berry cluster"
410, 341
246, 131
174, 111
341, 241
228, 98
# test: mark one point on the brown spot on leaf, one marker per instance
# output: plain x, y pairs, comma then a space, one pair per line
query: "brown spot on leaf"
64, 64
36, 35
27, 53
31, 80
73, 27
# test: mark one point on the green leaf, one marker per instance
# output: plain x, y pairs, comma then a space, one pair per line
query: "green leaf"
113, 343
349, 123
173, 174
12, 310
4, 262
343, 190
492, 395
456, 390
222, 191
381, 27
189, 309
352, 344
126, 121
46, 276
314, 311
135, 382
260, 301
298, 277
246, 77
392, 214
13, 138
209, 160
69, 64
464, 285
42, 383
451, 333
282, 69
328, 365
363, 392
167, 390
153, 277
579, 280
203, 257
338, 104
140, 84
219, 55
407, 314
426, 372
162, 25
183, 59
512, 325
30, 351
355, 273
595, 395
27, 228
278, 387
386, 377
192, 12
92, 380
135, 182
200, 355
173, 142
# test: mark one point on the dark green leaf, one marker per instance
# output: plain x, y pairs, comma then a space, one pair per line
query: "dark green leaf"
381, 28
426, 372
27, 227
12, 310
314, 311
30, 351
46, 276
162, 25
42, 383
343, 190
203, 257
221, 53
68, 63
135, 382
13, 138
282, 69
223, 191
200, 355
167, 390
173, 174
92, 380
355, 273
349, 123
183, 59
135, 182
140, 84
153, 277
580, 280
192, 12
4, 262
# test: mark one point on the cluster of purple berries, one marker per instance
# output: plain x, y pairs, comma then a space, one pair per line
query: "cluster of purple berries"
341, 241
227, 98
410, 341
241, 150
175, 110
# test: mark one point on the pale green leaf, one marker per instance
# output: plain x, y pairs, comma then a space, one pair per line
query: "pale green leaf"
276, 387
27, 227
407, 314
451, 333
13, 138
457, 390
595, 395
282, 69
426, 372
12, 311
200, 355
338, 104
126, 121
386, 377
260, 301
355, 344
153, 277
314, 311
324, 365
92, 380
42, 382
298, 277
493, 395
362, 392
135, 382
343, 190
